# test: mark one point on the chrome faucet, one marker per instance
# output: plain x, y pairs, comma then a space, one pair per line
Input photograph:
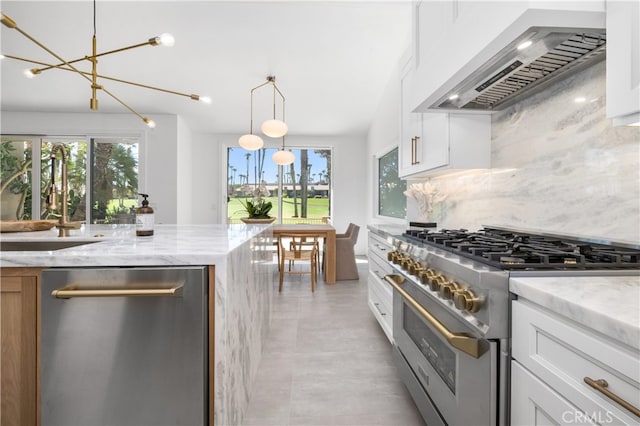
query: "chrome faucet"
64, 225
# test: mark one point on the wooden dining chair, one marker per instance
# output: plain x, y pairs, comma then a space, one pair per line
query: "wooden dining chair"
296, 252
307, 243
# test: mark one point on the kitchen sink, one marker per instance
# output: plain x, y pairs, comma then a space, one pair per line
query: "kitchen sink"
40, 245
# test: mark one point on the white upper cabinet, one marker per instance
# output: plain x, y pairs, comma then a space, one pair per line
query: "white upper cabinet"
623, 62
445, 142
453, 39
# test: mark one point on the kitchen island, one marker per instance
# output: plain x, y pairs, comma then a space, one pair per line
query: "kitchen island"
239, 314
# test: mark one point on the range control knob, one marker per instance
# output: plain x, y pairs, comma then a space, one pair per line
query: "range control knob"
391, 255
448, 289
425, 275
398, 258
436, 282
407, 263
416, 268
465, 300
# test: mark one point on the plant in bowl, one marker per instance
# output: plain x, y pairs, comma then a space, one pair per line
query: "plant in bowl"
257, 209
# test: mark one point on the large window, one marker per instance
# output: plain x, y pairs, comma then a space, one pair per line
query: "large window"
299, 192
112, 175
391, 199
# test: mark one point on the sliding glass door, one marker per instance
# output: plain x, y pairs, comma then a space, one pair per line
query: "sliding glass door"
102, 178
300, 192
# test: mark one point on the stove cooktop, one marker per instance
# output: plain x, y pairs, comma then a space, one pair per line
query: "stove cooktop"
514, 250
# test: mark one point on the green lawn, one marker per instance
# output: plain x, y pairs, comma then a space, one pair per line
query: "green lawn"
316, 207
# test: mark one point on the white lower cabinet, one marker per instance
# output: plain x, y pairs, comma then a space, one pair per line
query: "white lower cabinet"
554, 358
380, 293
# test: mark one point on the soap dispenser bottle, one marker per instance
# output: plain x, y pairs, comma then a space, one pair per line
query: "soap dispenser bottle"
144, 218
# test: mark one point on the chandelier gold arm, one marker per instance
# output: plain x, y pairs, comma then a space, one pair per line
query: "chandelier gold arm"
93, 76
62, 67
151, 42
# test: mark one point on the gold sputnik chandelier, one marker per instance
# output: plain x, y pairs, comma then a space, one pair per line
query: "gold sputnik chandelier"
93, 76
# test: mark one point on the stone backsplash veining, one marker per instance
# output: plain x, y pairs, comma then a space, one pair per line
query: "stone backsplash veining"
557, 165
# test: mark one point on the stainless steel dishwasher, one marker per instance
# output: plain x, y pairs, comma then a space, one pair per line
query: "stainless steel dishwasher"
124, 346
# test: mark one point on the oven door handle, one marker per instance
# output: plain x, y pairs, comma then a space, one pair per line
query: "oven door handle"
462, 341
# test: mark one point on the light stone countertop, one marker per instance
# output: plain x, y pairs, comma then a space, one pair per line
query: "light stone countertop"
609, 305
118, 245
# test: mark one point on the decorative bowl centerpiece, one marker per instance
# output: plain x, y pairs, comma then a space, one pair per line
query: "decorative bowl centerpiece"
257, 211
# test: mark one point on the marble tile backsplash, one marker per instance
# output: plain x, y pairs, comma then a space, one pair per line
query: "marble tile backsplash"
557, 166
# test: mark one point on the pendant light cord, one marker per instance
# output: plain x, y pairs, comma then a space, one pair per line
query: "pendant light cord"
94, 17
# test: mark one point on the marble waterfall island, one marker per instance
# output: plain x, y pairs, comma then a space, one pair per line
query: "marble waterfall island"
241, 257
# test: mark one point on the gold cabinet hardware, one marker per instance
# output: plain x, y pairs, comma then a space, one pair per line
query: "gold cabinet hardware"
465, 343
73, 291
601, 386
414, 150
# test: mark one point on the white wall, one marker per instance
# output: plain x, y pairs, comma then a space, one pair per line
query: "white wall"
184, 174
158, 153
383, 136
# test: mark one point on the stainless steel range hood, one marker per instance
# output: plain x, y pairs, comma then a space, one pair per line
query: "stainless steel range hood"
517, 71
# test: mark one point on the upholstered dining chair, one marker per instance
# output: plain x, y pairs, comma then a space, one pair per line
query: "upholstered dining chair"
296, 252
346, 268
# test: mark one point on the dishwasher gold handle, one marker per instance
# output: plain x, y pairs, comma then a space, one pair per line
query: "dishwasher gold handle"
73, 291
601, 386
467, 344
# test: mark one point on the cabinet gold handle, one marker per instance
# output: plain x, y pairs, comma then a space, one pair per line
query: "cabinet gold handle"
73, 291
467, 344
415, 150
601, 386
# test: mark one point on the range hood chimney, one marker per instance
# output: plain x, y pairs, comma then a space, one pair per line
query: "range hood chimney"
537, 58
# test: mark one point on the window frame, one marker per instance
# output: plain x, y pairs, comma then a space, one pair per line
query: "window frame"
224, 147
376, 189
36, 146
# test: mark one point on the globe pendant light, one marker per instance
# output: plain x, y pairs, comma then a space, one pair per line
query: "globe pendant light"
272, 128
283, 157
275, 128
250, 142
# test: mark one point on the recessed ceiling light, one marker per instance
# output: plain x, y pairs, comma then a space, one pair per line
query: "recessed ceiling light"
525, 44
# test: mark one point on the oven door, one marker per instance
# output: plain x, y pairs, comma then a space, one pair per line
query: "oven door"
454, 371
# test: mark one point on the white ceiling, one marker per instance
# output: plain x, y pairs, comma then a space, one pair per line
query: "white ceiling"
332, 59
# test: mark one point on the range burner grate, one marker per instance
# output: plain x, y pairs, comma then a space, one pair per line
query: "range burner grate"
514, 250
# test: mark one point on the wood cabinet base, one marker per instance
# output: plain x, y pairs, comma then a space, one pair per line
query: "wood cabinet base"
19, 344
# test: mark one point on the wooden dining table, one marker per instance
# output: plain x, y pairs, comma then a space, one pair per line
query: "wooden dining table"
327, 232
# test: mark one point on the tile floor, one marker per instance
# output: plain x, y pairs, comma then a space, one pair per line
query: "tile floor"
327, 362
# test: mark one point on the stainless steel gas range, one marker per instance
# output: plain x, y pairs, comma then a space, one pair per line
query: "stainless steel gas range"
451, 311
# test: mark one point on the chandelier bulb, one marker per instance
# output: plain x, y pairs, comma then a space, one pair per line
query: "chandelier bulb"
167, 39
251, 142
149, 122
28, 73
1, 56
274, 128
283, 157
205, 99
